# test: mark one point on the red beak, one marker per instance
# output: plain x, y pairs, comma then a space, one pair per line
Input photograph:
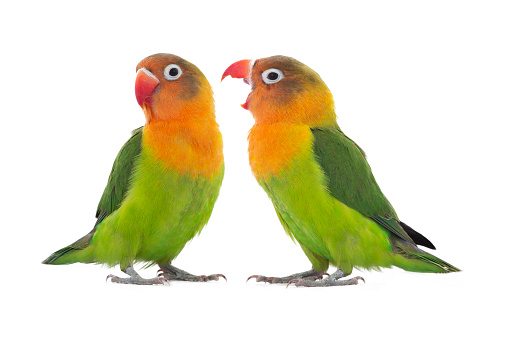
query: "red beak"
145, 85
240, 69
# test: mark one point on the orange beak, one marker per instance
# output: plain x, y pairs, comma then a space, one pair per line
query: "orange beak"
241, 69
145, 85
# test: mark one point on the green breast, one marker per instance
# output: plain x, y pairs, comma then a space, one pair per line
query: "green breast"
318, 221
162, 211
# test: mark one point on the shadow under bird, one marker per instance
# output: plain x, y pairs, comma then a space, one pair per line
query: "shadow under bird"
319, 180
164, 181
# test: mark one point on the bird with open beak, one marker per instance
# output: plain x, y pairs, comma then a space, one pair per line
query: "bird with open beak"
319, 181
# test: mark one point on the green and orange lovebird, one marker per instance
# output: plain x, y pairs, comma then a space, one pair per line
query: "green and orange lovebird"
165, 179
319, 181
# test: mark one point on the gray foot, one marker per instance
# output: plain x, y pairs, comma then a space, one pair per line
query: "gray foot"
332, 280
310, 275
135, 278
170, 272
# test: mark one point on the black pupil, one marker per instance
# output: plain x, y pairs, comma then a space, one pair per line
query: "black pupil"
273, 76
174, 72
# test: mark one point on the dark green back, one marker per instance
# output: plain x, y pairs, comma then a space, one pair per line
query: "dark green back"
114, 193
352, 182
118, 181
350, 177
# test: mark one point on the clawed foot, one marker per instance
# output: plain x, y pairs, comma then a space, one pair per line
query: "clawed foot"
136, 279
170, 272
191, 277
332, 280
310, 275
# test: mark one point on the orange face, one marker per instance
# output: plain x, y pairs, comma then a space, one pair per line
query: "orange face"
285, 90
169, 87
181, 131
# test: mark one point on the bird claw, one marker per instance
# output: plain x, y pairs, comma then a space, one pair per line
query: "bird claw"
360, 278
262, 278
294, 281
217, 276
326, 282
163, 280
253, 276
276, 280
190, 277
211, 277
155, 281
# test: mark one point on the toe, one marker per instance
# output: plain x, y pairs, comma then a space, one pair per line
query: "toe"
294, 281
217, 276
258, 278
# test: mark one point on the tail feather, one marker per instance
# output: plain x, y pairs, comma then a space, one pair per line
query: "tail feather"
55, 256
64, 255
429, 258
411, 258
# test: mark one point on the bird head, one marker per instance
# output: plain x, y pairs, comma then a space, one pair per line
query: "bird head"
169, 87
284, 90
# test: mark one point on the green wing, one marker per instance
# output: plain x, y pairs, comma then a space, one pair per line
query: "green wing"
118, 182
352, 182
113, 195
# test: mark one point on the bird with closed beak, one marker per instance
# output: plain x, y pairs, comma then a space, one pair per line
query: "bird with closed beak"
164, 181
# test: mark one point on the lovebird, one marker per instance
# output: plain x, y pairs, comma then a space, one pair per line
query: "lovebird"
319, 180
164, 181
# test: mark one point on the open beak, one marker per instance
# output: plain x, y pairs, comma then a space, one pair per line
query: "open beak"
240, 70
237, 70
145, 85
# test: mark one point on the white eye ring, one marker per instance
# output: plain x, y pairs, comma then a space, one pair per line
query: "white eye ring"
169, 72
272, 75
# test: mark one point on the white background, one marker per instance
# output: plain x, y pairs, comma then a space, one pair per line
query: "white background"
421, 86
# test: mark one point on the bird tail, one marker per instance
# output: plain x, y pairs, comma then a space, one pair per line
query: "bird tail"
438, 264
411, 258
79, 251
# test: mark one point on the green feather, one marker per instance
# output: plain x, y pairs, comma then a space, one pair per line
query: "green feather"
407, 251
351, 181
393, 226
118, 181
147, 212
114, 193
328, 200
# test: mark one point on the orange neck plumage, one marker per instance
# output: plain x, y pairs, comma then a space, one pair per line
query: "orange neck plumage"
184, 135
283, 129
274, 147
187, 146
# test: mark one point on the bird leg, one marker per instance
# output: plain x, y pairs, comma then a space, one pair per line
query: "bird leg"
331, 280
310, 275
170, 272
135, 278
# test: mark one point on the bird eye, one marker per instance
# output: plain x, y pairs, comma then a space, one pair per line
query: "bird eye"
272, 76
172, 72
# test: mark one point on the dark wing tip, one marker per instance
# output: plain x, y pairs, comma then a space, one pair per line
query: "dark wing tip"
417, 237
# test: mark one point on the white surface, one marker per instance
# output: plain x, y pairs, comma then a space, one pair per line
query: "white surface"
423, 88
